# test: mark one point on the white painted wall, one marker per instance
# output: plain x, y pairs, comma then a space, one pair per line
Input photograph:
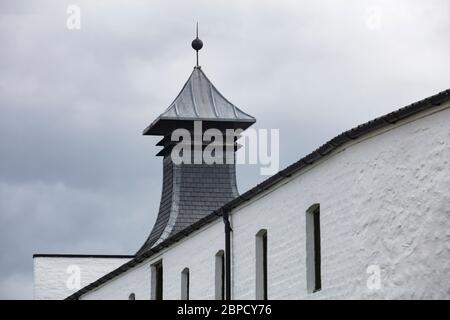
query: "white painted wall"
135, 281
51, 274
384, 201
197, 253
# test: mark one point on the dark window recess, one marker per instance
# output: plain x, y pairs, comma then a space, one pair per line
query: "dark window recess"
220, 276
261, 265
158, 281
185, 284
317, 258
313, 254
264, 241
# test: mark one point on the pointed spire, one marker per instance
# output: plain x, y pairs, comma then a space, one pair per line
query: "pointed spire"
197, 44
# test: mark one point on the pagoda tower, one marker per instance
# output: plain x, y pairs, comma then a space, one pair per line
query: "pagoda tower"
192, 190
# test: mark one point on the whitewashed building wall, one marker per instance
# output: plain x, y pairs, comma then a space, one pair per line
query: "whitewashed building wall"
136, 281
384, 200
54, 275
197, 252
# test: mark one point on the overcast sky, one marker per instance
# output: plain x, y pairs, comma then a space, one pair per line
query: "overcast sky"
77, 176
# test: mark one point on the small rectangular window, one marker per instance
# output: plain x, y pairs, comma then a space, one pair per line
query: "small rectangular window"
220, 276
313, 254
185, 284
157, 281
261, 265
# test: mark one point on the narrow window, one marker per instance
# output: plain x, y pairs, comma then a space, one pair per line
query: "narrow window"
313, 259
220, 275
132, 296
261, 265
185, 284
157, 281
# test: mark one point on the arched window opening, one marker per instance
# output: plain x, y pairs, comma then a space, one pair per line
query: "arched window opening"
185, 284
220, 275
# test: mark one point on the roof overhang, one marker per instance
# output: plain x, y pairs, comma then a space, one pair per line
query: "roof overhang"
164, 126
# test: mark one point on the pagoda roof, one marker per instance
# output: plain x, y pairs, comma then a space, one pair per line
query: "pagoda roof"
199, 100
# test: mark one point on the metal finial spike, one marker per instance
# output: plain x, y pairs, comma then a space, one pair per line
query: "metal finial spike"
197, 44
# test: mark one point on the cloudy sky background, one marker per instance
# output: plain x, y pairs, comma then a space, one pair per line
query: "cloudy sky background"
77, 176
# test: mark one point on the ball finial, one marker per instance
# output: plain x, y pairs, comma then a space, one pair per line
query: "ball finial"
197, 44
